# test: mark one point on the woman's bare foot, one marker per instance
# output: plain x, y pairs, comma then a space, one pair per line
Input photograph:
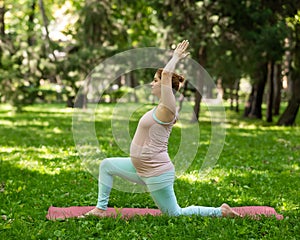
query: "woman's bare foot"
95, 212
227, 211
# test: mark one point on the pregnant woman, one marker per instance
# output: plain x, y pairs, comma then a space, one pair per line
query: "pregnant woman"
149, 163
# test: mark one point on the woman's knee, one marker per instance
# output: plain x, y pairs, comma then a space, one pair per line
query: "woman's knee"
105, 164
166, 201
172, 212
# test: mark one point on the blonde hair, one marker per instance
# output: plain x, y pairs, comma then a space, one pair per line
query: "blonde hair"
177, 80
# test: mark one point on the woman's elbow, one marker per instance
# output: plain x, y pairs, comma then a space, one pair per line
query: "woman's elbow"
166, 74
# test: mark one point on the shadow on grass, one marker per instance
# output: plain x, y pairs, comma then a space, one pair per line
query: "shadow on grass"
26, 196
258, 166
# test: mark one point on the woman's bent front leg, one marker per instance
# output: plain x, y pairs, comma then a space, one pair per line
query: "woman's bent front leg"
110, 167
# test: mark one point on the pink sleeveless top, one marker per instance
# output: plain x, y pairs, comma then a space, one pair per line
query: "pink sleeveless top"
149, 147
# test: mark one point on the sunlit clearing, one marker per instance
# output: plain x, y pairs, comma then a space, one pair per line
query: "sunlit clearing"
44, 160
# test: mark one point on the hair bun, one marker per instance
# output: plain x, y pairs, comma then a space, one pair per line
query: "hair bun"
181, 79
177, 79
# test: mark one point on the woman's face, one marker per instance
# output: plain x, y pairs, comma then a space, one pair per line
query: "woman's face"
155, 86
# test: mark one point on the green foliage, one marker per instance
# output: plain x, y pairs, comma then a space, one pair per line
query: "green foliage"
24, 59
40, 167
253, 32
47, 43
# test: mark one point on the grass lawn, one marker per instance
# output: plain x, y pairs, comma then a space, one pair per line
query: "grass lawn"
40, 167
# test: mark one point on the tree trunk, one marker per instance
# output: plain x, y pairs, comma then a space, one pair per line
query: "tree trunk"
2, 22
2, 37
249, 103
270, 96
133, 84
31, 24
198, 96
277, 89
46, 23
31, 42
289, 115
2, 28
234, 95
256, 110
259, 88
287, 65
237, 88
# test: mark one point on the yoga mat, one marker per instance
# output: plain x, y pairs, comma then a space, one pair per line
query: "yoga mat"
71, 212
255, 211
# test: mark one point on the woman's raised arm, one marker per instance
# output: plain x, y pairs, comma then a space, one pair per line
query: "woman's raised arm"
166, 109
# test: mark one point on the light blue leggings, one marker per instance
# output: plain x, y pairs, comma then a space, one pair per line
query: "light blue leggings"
160, 188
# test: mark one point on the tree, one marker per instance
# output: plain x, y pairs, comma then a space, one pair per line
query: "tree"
2, 23
259, 30
105, 28
277, 88
225, 61
289, 115
2, 29
24, 63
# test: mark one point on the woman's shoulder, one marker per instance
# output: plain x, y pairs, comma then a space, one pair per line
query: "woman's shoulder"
164, 116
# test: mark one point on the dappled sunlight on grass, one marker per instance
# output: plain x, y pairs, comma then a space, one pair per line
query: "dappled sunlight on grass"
241, 187
40, 167
45, 160
5, 122
49, 108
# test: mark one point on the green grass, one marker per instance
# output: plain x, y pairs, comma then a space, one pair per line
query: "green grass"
40, 167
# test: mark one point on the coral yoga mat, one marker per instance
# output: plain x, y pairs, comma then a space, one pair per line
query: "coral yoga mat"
76, 211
